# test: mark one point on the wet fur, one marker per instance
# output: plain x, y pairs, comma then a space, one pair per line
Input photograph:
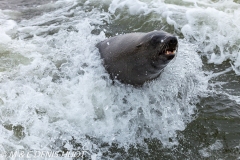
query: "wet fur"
135, 58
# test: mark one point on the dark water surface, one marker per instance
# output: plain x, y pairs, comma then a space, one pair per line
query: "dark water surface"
26, 8
20, 4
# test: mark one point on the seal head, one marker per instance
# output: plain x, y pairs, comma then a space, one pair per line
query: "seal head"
135, 58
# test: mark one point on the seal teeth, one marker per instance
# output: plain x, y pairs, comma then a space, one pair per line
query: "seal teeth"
170, 52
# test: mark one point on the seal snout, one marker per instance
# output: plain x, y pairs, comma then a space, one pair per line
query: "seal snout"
173, 41
171, 48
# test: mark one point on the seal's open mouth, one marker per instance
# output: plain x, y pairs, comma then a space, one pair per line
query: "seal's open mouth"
168, 47
170, 52
171, 47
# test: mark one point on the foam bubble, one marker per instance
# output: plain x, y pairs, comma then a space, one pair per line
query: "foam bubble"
5, 28
206, 152
137, 8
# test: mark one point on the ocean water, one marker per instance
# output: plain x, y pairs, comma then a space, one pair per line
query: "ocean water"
55, 95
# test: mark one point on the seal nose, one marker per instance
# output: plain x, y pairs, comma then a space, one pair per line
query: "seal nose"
173, 40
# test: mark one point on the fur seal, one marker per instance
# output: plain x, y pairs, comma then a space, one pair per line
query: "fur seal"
135, 58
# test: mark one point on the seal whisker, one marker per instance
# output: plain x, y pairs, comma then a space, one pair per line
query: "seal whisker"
162, 48
166, 47
165, 37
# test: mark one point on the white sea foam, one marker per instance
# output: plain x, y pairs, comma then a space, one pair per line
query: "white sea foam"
64, 90
206, 152
6, 26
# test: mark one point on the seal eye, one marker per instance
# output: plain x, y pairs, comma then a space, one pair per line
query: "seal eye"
155, 40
